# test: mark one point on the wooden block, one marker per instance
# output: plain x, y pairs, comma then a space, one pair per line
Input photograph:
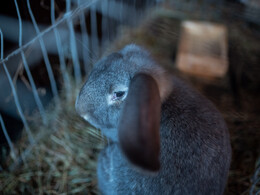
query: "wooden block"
202, 49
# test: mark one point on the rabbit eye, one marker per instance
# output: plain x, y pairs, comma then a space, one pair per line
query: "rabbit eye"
119, 94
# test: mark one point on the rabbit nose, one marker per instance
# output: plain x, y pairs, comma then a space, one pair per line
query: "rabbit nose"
86, 117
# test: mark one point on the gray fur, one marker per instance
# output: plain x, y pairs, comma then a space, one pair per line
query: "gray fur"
195, 150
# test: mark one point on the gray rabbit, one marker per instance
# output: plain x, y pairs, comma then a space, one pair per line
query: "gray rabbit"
166, 138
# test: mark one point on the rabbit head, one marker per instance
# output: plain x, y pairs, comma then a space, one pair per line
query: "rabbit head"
122, 97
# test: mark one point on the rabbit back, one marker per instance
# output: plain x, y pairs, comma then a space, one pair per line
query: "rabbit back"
195, 151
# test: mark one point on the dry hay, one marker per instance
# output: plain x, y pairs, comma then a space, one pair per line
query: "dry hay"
63, 161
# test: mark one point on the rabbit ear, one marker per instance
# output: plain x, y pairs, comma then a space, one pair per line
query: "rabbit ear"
139, 125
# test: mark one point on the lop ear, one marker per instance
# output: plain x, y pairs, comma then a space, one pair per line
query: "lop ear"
139, 135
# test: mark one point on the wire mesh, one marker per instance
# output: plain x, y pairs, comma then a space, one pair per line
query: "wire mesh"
76, 35
63, 38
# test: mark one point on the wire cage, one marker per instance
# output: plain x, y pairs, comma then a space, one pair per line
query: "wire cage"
48, 48
75, 31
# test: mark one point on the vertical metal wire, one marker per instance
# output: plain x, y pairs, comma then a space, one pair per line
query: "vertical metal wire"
74, 53
20, 23
44, 52
9, 142
94, 33
85, 43
28, 72
16, 99
34, 90
64, 72
73, 46
2, 45
17, 102
68, 4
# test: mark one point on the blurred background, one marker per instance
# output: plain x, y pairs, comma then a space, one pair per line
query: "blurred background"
48, 48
